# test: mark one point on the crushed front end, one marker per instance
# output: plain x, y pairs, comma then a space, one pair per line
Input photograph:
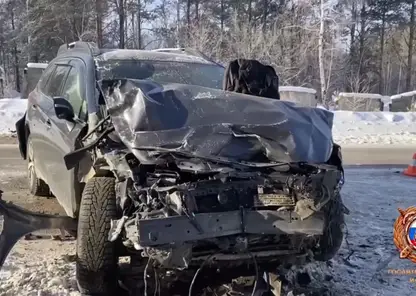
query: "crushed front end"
227, 176
187, 211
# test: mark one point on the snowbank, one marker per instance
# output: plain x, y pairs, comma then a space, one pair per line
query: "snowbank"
11, 110
10, 93
382, 128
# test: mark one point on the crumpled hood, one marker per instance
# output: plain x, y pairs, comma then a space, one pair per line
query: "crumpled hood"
208, 122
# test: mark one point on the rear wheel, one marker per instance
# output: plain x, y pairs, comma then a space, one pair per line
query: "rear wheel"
96, 256
36, 185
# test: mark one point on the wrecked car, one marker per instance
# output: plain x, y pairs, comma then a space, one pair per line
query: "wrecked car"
152, 160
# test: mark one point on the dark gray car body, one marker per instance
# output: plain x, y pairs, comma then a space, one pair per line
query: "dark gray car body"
196, 169
53, 138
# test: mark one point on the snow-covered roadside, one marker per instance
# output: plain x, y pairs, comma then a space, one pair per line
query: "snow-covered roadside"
39, 268
377, 128
11, 110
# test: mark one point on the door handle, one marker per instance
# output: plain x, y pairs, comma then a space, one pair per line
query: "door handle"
48, 123
34, 106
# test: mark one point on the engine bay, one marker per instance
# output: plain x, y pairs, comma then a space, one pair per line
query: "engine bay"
184, 210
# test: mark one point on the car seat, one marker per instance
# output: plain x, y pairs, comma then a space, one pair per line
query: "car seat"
251, 77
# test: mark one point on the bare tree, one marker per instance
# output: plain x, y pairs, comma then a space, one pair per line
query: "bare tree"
410, 46
321, 50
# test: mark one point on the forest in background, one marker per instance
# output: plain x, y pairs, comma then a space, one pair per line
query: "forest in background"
329, 45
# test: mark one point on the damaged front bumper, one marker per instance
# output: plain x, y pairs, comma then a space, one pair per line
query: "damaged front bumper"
175, 242
16, 222
204, 226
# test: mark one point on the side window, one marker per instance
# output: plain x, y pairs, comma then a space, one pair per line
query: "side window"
45, 77
53, 88
74, 89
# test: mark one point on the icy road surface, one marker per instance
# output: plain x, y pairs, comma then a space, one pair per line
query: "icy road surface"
361, 269
373, 197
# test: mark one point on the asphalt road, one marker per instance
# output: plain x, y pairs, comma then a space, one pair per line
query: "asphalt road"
13, 181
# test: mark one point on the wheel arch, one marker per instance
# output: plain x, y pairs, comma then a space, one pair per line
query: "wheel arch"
84, 176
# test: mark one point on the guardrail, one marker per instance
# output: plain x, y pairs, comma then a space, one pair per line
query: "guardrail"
301, 95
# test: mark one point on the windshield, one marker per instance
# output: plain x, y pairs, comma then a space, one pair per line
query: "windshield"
164, 72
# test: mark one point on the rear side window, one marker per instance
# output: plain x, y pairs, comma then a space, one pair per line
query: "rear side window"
53, 88
43, 81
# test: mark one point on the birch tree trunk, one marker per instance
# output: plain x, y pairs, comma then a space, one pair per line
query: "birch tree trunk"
178, 19
321, 52
139, 24
15, 53
99, 20
121, 23
381, 87
410, 47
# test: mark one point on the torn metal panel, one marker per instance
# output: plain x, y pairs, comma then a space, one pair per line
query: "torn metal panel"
234, 126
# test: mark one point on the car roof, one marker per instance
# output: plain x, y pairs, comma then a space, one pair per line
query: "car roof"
135, 54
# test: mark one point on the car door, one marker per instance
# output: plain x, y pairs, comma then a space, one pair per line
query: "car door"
45, 133
64, 183
35, 116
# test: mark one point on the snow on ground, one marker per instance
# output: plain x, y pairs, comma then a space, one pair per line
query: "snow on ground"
382, 128
11, 110
360, 269
39, 268
354, 128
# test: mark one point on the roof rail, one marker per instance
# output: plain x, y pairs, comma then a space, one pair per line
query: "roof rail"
188, 51
90, 47
181, 50
170, 49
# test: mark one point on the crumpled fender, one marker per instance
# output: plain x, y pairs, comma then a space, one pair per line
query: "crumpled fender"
17, 222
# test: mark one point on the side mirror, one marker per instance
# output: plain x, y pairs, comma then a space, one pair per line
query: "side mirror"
63, 109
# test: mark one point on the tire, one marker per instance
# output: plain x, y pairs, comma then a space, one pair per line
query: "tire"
330, 242
96, 267
37, 186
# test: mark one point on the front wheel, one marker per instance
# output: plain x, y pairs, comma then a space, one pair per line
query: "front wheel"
331, 240
96, 256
